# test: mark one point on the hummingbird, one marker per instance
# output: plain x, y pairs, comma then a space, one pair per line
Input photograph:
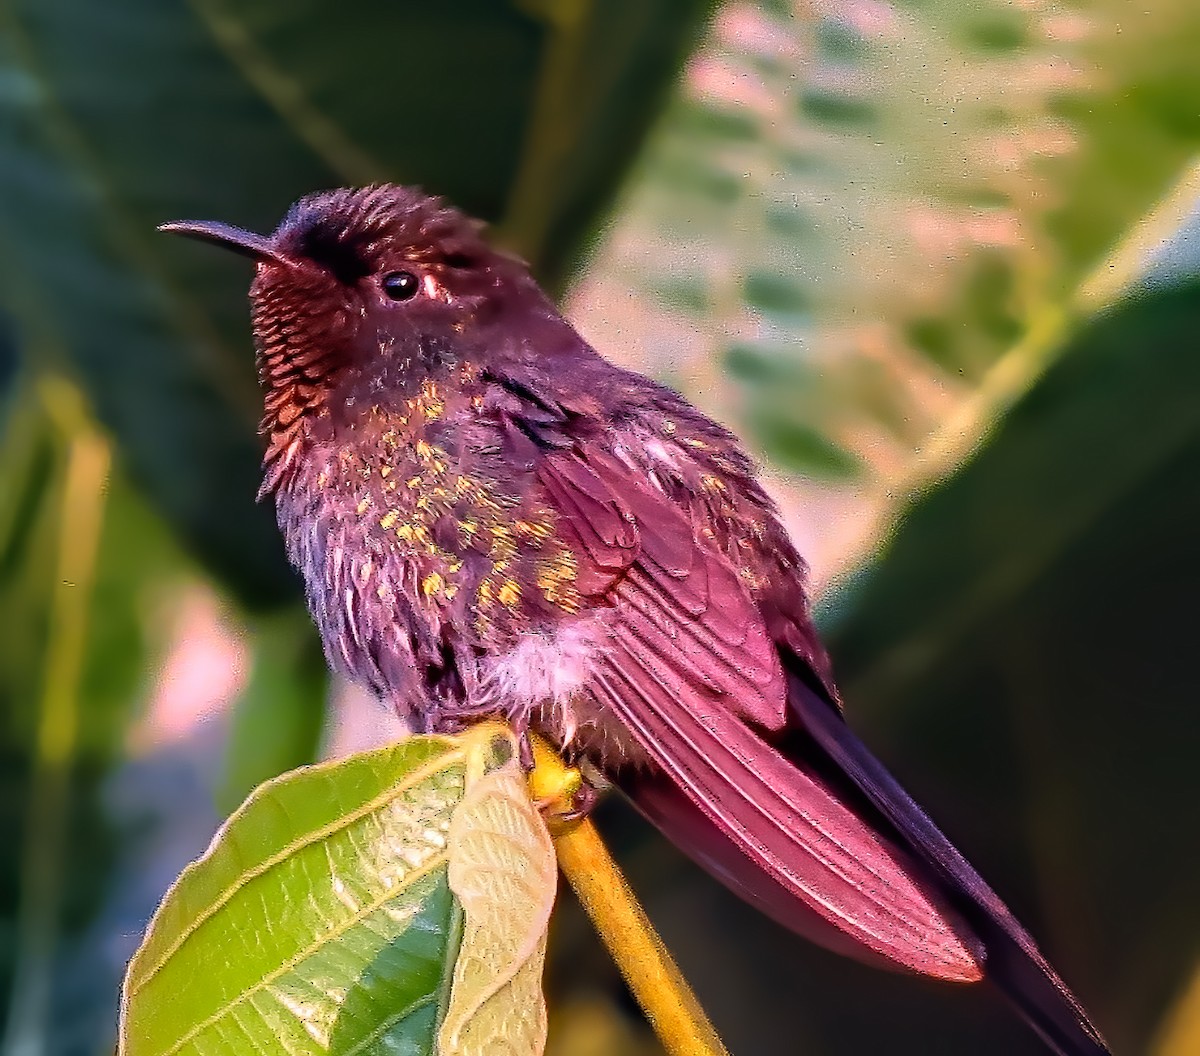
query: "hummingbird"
492, 520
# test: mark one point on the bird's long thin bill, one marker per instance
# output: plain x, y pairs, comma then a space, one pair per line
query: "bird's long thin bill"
247, 243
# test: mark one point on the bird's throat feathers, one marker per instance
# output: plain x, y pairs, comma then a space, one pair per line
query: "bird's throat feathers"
408, 383
367, 295
399, 399
301, 358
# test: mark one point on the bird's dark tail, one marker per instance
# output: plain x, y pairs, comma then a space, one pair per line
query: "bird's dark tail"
1012, 960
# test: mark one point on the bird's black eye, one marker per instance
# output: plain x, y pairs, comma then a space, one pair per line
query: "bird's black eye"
401, 285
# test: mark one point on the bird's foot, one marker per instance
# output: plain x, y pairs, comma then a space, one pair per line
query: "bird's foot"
461, 718
525, 751
562, 816
561, 793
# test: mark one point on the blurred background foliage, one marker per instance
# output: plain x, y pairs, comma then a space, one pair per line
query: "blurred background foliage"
935, 260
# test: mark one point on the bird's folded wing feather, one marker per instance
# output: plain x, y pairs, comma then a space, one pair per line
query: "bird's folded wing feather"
691, 672
1014, 961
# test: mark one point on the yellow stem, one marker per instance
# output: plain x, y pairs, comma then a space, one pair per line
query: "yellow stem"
1179, 1034
635, 946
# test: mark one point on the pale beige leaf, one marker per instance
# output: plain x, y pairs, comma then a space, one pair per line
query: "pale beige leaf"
502, 871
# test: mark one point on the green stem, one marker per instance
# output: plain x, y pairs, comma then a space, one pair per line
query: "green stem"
80, 518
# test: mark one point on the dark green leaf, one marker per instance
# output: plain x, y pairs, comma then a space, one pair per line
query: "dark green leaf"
779, 295
1027, 638
116, 120
759, 364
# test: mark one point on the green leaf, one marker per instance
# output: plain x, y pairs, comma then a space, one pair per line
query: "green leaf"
117, 120
803, 450
907, 191
324, 917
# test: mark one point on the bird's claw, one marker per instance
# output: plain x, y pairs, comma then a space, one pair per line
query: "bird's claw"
562, 795
525, 751
579, 807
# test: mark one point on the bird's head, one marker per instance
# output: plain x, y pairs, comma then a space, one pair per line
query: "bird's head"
354, 281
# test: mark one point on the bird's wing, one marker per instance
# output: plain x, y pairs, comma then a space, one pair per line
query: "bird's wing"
691, 672
1014, 962
756, 774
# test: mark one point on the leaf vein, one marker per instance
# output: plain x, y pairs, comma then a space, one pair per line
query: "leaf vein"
410, 781
300, 956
